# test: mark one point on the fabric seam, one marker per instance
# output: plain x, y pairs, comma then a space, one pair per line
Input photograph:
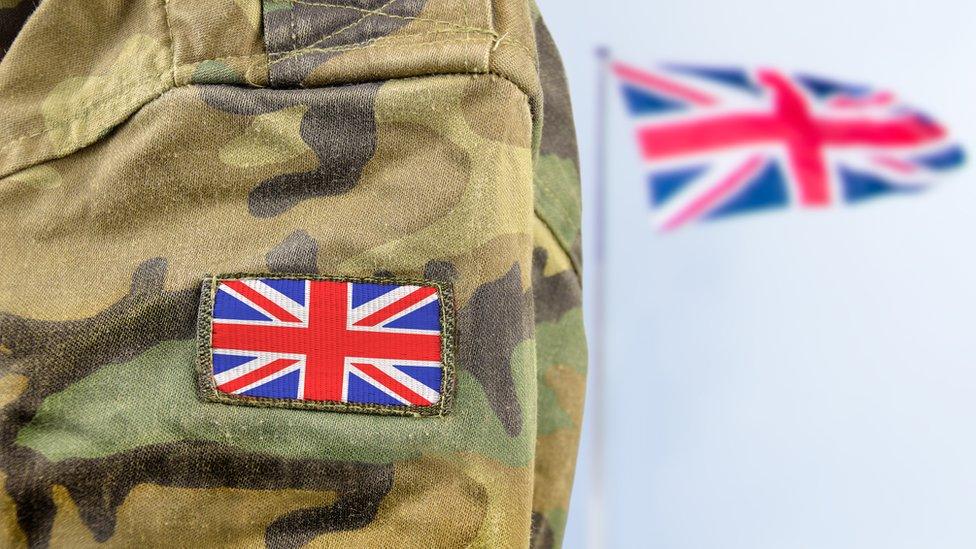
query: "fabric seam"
172, 40
143, 83
140, 82
343, 29
382, 41
378, 13
563, 214
87, 110
577, 270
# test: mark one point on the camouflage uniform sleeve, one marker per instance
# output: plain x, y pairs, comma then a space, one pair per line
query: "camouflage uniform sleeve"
148, 144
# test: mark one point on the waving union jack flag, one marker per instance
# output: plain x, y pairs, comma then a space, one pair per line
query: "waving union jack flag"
327, 341
719, 142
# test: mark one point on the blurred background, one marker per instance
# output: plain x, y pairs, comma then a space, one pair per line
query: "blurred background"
792, 379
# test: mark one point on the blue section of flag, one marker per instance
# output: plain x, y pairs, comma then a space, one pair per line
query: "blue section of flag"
766, 190
222, 363
228, 307
922, 116
285, 386
731, 77
640, 101
824, 87
946, 159
667, 183
294, 289
364, 292
429, 376
427, 317
362, 392
860, 186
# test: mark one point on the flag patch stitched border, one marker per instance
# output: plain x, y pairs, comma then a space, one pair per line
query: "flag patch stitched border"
371, 345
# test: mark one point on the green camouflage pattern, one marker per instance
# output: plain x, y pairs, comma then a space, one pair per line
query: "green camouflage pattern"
147, 143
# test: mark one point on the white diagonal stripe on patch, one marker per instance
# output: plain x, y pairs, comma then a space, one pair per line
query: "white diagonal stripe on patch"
432, 297
424, 391
380, 302
277, 297
270, 378
233, 293
362, 375
260, 359
241, 369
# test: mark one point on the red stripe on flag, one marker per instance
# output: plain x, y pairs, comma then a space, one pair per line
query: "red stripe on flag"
664, 85
287, 339
896, 164
879, 99
251, 377
405, 392
401, 304
260, 300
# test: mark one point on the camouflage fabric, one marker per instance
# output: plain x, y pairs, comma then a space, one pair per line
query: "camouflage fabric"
147, 143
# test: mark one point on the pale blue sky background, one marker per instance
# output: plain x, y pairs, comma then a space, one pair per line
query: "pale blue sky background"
794, 380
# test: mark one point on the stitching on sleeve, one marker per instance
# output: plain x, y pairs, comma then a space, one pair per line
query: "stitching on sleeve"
313, 47
172, 37
139, 84
507, 40
573, 260
136, 86
291, 15
374, 43
379, 13
383, 45
366, 14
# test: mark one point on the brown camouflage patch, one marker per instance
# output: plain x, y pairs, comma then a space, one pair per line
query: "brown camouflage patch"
12, 19
99, 487
339, 126
495, 319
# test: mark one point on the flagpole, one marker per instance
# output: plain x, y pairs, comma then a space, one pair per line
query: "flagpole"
597, 528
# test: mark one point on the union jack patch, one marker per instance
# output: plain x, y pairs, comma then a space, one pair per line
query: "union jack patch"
367, 345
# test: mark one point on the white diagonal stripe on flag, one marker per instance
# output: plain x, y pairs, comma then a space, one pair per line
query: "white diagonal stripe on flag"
270, 378
424, 391
373, 305
351, 369
260, 360
279, 298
